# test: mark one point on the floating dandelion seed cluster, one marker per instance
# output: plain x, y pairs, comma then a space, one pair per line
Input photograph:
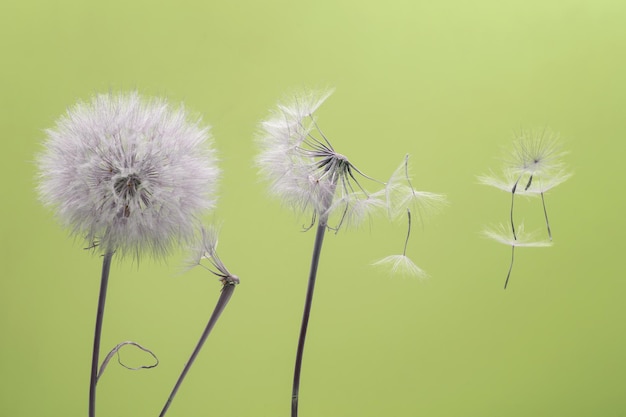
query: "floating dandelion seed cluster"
127, 173
534, 167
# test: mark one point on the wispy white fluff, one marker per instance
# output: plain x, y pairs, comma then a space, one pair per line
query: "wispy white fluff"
304, 169
536, 152
401, 196
534, 165
128, 174
503, 234
306, 172
507, 180
205, 249
401, 265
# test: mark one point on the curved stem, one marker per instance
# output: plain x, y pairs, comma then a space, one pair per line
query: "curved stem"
227, 292
104, 280
317, 250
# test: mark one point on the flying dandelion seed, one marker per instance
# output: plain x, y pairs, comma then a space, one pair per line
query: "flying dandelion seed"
401, 264
534, 167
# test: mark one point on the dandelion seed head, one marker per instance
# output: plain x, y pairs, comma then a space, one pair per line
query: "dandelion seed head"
129, 173
303, 168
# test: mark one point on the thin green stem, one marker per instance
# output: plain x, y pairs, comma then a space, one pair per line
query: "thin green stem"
317, 250
104, 280
508, 275
512, 222
408, 232
545, 214
227, 292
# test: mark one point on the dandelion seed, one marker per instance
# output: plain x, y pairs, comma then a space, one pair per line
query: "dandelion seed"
402, 196
536, 158
502, 234
535, 154
129, 175
402, 264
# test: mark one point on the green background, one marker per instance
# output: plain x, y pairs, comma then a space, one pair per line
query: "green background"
448, 82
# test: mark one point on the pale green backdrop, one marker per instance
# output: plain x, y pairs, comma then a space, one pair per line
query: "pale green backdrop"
447, 82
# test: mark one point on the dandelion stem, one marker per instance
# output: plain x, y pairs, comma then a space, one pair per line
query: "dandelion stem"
408, 233
227, 292
508, 275
317, 250
545, 213
512, 203
104, 280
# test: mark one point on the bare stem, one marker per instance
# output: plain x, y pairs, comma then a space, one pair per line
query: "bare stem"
508, 275
408, 233
317, 250
104, 280
545, 213
227, 292
512, 203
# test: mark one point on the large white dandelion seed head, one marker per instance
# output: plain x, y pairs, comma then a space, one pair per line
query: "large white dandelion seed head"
128, 174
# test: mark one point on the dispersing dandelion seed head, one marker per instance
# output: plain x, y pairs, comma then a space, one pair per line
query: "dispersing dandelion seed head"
128, 174
305, 171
